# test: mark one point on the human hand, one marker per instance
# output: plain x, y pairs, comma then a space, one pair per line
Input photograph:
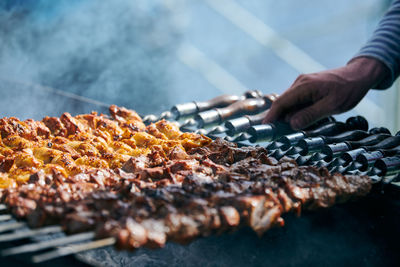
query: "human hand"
315, 96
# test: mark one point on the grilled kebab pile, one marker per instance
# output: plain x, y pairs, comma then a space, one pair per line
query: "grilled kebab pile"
145, 185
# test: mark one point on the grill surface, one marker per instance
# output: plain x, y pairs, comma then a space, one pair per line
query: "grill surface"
365, 232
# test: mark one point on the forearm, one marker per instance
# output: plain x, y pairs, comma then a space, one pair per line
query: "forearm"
369, 71
384, 45
316, 95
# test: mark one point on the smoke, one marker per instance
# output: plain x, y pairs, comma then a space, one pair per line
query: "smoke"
111, 51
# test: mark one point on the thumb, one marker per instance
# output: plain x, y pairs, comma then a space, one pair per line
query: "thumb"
308, 115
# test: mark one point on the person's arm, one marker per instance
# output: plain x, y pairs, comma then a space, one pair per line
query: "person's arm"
317, 95
384, 45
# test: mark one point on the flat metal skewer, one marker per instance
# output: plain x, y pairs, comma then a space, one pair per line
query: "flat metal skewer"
5, 217
11, 226
72, 249
30, 233
48, 244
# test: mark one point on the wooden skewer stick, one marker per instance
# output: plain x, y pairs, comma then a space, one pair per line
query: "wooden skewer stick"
48, 244
72, 249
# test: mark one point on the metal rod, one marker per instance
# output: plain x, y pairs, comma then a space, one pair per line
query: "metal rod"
64, 251
30, 233
59, 92
5, 217
11, 226
48, 244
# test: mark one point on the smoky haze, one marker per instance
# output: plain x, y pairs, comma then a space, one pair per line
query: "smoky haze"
111, 51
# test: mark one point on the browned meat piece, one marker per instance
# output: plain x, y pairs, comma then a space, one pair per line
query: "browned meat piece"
130, 117
38, 128
21, 207
258, 212
72, 125
6, 164
178, 153
55, 125
135, 164
152, 129
79, 222
229, 216
28, 129
132, 236
156, 233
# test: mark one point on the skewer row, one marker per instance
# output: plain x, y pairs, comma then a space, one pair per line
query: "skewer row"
345, 147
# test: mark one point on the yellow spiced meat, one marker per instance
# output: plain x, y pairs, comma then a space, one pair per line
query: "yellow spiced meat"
71, 145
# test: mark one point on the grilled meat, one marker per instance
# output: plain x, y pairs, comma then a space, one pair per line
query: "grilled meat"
72, 145
151, 199
145, 185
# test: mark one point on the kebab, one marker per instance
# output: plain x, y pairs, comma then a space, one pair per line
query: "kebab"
242, 187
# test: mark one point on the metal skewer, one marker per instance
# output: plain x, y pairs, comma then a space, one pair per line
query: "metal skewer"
48, 244
11, 226
30, 233
72, 249
5, 217
238, 138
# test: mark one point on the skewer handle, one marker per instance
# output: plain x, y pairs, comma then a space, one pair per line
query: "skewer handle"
351, 155
326, 128
268, 132
368, 141
334, 150
391, 152
388, 166
218, 115
346, 136
335, 128
217, 102
368, 159
387, 143
337, 149
243, 123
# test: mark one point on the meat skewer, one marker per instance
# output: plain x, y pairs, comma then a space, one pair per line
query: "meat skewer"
141, 186
244, 196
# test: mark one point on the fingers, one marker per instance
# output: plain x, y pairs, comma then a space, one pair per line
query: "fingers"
280, 106
289, 102
310, 114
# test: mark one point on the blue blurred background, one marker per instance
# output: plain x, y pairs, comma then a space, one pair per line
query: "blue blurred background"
148, 55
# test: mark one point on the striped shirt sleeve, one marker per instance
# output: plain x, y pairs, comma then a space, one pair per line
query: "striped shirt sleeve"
384, 44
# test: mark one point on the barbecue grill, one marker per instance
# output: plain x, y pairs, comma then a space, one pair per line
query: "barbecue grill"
364, 232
